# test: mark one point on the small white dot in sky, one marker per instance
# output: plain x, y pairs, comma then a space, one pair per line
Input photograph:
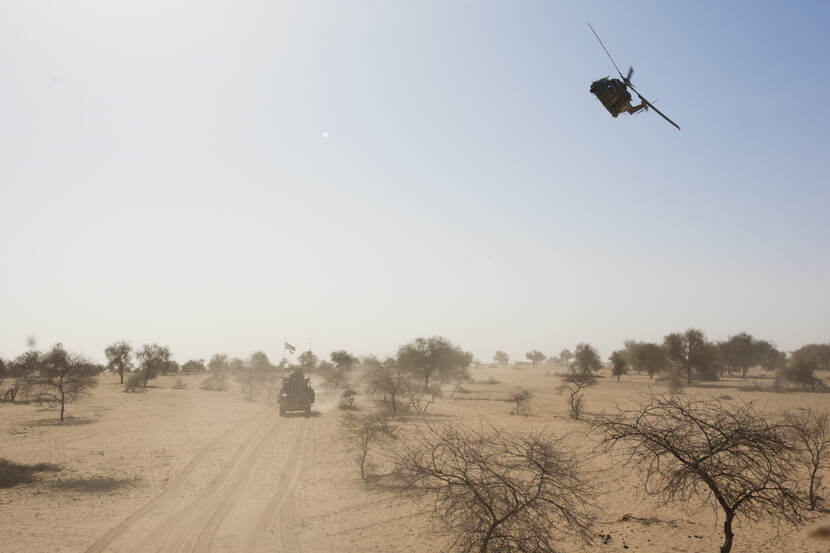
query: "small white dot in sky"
325, 134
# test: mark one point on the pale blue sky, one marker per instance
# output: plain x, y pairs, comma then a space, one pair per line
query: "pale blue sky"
164, 174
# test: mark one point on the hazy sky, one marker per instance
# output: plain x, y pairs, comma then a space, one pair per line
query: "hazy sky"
221, 176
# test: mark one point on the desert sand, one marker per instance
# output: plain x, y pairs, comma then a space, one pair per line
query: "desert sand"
186, 470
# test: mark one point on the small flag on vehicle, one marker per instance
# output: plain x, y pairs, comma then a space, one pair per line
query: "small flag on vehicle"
289, 347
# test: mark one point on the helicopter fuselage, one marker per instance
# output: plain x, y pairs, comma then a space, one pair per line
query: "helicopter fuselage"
613, 94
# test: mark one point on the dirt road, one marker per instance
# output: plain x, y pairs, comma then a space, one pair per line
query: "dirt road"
237, 494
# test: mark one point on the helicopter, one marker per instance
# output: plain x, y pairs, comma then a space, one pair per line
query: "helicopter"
614, 95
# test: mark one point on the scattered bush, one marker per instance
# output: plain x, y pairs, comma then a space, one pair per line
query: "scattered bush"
521, 398
347, 399
419, 400
497, 491
811, 431
361, 431
216, 382
135, 382
179, 384
802, 373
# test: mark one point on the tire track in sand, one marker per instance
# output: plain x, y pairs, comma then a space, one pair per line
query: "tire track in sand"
289, 539
205, 539
101, 543
194, 527
284, 490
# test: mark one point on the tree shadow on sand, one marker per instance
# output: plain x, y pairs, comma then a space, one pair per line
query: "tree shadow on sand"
94, 484
53, 421
12, 474
300, 414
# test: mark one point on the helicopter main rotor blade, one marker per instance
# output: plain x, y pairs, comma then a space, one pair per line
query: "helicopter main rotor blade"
649, 104
606, 51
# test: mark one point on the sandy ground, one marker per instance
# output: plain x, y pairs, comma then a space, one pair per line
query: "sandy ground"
193, 471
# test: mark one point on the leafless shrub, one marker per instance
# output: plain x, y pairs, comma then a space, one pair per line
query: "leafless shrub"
179, 384
492, 381
496, 491
521, 398
347, 399
419, 399
811, 431
361, 431
729, 456
458, 387
575, 382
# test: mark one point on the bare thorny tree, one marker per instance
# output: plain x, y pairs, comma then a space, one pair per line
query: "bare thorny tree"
574, 383
521, 398
728, 456
811, 430
363, 431
496, 491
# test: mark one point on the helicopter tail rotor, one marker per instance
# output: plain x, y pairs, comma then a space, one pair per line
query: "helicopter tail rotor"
630, 72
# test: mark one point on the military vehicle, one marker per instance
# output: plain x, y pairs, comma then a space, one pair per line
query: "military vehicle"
296, 393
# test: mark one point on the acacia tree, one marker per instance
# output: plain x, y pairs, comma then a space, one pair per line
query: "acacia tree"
521, 398
62, 377
535, 356
817, 355
119, 358
586, 359
575, 382
618, 364
436, 358
344, 361
497, 491
336, 373
732, 457
811, 430
740, 353
25, 365
387, 379
801, 371
333, 379
218, 363
652, 357
565, 357
152, 360
769, 357
194, 366
633, 354
308, 361
253, 374
501, 357
685, 350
